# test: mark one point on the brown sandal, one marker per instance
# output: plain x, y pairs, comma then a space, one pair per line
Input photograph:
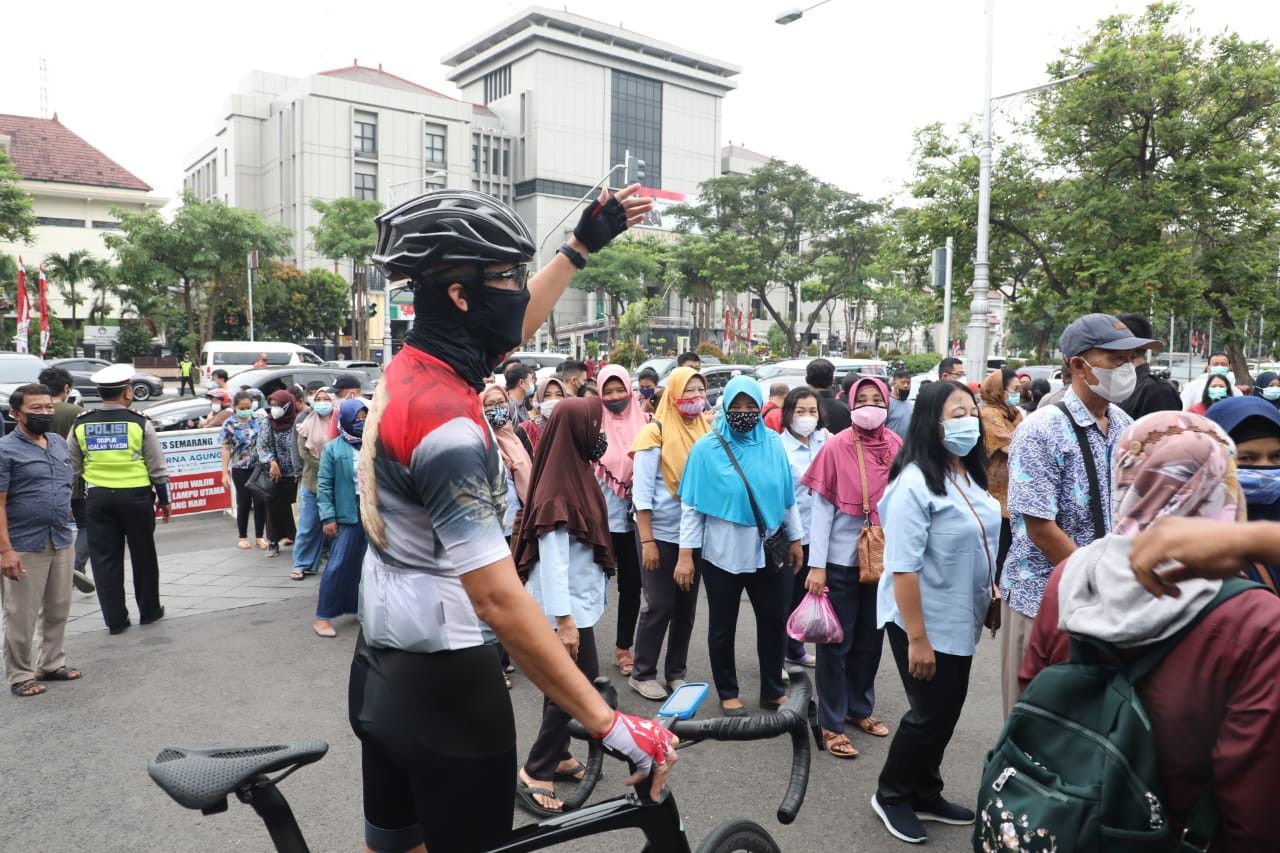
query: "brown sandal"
838, 744
871, 726
624, 660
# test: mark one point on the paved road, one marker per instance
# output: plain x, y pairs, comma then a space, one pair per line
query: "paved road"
74, 760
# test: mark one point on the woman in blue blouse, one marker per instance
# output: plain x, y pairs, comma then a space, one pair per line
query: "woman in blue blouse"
941, 530
565, 554
716, 517
338, 505
802, 438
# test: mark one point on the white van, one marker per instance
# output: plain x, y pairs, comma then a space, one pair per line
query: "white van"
235, 356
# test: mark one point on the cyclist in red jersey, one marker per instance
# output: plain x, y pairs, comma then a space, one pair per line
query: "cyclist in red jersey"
426, 694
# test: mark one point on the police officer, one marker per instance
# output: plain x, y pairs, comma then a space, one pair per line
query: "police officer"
117, 452
185, 381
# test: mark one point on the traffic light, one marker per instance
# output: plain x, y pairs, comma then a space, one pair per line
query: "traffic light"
372, 309
635, 170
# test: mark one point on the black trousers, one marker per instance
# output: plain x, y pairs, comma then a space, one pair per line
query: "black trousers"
245, 501
114, 517
1002, 549
280, 523
626, 555
186, 382
770, 596
666, 606
551, 746
795, 648
912, 767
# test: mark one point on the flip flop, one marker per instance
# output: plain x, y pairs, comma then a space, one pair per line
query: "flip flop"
839, 745
27, 689
574, 775
871, 726
62, 673
297, 575
243, 545
526, 793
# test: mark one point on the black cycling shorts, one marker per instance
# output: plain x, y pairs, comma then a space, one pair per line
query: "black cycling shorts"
439, 748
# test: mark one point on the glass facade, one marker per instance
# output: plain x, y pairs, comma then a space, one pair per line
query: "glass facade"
636, 123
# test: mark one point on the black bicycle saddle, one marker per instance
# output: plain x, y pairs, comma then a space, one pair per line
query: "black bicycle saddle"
201, 777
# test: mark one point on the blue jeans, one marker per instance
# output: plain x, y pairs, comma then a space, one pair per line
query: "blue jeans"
340, 583
846, 672
307, 544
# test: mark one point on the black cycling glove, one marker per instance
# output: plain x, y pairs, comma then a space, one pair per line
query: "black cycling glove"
600, 223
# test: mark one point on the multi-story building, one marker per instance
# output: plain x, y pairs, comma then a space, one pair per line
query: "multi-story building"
73, 188
550, 102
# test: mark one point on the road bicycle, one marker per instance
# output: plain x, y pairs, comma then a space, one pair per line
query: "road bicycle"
203, 778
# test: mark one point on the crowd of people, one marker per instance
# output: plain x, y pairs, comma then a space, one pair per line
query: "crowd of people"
478, 518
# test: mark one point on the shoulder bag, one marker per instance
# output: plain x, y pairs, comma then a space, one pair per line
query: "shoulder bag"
871, 537
776, 547
992, 620
1091, 469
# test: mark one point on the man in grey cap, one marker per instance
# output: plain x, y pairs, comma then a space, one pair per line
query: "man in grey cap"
1060, 474
118, 454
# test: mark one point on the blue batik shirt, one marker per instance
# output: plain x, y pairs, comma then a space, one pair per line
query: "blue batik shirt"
1048, 480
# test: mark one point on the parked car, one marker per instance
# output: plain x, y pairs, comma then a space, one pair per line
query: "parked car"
16, 368
665, 364
1051, 372
843, 366
794, 380
718, 376
182, 414
371, 369
145, 385
235, 356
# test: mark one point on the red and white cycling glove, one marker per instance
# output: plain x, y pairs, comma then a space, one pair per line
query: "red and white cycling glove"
642, 742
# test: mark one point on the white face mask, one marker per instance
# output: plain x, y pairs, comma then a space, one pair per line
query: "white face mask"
804, 426
1115, 384
547, 405
215, 408
277, 412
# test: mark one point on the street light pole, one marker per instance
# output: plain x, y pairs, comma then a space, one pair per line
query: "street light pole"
978, 309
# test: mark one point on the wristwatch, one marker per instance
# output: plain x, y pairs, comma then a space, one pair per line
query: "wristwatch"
574, 256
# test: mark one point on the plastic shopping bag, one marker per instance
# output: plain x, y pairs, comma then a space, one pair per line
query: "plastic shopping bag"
814, 621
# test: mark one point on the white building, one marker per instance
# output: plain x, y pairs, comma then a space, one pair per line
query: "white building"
549, 102
73, 187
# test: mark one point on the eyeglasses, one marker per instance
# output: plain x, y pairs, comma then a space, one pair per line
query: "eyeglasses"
516, 278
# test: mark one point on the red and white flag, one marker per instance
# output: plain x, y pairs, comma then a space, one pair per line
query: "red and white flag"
24, 310
44, 313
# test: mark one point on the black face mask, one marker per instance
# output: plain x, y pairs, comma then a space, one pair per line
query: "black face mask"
39, 424
742, 421
492, 326
602, 447
618, 406
903, 393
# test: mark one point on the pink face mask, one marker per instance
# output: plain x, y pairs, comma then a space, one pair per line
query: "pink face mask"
869, 418
691, 406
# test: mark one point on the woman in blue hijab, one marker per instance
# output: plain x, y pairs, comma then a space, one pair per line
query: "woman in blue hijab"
1267, 386
338, 503
1254, 425
721, 530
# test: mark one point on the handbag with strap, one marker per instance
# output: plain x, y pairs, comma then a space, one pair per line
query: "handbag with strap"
776, 547
871, 536
992, 620
260, 484
1091, 470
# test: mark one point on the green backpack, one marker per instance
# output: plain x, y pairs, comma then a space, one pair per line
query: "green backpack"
1076, 769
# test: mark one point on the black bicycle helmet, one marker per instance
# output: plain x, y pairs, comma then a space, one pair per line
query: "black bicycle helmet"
447, 227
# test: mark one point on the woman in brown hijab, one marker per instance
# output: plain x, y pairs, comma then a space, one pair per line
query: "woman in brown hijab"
565, 556
1001, 414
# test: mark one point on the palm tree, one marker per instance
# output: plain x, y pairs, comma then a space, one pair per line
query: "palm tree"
105, 276
68, 271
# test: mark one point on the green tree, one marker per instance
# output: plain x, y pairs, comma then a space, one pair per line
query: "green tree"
786, 220
899, 310
294, 306
348, 230
68, 272
703, 267
620, 273
134, 340
197, 257
636, 321
105, 275
16, 217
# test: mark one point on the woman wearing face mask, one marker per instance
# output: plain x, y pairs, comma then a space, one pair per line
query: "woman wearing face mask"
278, 449
659, 455
940, 534
219, 409
565, 555
313, 435
338, 505
1001, 414
1267, 386
800, 417
846, 671
717, 519
1254, 426
549, 395
647, 390
1216, 387
516, 458
239, 458
623, 422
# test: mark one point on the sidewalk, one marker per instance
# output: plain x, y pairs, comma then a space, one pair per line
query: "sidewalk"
203, 581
